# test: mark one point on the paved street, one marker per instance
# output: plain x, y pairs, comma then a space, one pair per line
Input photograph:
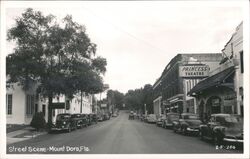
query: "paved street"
118, 136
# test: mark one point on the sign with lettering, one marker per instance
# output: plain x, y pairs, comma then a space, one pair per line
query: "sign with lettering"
193, 71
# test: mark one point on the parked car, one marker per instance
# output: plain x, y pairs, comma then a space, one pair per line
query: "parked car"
79, 120
100, 117
142, 117
106, 116
187, 123
88, 119
151, 118
94, 118
64, 122
131, 115
160, 120
223, 128
170, 118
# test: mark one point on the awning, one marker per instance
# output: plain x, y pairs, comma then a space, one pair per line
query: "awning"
219, 79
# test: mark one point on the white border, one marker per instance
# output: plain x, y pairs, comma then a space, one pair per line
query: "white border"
18, 4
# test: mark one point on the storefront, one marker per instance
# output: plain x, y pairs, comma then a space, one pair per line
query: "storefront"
216, 94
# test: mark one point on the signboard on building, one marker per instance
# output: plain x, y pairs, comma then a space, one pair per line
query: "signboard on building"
103, 105
58, 105
193, 71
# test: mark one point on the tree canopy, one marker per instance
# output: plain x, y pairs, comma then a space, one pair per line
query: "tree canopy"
58, 55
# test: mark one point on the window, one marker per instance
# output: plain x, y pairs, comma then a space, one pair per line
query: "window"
44, 109
30, 104
241, 62
9, 104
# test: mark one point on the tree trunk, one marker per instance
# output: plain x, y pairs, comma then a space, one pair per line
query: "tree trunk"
81, 101
50, 112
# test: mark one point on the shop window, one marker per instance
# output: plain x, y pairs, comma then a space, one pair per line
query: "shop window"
9, 104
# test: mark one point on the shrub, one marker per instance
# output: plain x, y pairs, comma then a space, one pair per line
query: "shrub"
38, 122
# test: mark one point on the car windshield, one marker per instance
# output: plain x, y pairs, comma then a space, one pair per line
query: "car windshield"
174, 116
63, 117
190, 117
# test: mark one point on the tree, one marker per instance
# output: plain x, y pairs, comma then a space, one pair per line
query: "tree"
58, 56
147, 97
115, 98
135, 99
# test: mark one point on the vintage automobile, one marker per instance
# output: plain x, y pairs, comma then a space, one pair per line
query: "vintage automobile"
170, 118
80, 120
151, 118
94, 118
64, 122
223, 128
106, 116
187, 123
100, 117
160, 120
131, 115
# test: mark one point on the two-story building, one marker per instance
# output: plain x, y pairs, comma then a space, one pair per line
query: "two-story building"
222, 91
22, 104
181, 74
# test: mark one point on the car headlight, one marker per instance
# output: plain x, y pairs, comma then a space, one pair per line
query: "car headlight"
64, 122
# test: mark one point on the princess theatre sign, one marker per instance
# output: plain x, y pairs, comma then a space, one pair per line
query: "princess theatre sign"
193, 71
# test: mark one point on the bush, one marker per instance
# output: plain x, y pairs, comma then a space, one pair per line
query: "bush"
38, 122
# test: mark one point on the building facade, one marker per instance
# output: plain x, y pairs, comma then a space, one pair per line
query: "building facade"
222, 91
22, 104
181, 74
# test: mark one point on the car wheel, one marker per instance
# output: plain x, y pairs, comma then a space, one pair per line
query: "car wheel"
217, 140
174, 128
184, 131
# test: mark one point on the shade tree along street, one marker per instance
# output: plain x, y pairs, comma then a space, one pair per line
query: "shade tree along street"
58, 55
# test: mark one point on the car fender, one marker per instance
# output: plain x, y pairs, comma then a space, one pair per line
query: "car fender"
203, 127
184, 125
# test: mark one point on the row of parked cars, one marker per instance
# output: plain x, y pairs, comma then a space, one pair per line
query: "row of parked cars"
219, 128
69, 122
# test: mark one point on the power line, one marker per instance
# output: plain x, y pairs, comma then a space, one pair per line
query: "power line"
124, 31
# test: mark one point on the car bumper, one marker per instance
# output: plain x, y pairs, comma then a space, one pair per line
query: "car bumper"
193, 130
168, 125
233, 140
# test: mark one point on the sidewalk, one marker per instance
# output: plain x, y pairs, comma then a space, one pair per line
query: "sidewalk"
23, 134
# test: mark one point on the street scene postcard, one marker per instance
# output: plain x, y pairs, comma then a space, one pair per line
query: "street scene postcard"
125, 79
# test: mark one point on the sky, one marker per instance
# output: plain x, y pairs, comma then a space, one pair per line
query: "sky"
139, 38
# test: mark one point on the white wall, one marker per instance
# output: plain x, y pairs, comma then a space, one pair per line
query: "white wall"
18, 105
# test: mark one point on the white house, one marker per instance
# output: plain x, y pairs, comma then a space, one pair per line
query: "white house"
22, 104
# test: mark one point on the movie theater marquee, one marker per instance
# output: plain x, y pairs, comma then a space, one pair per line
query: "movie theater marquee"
193, 71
